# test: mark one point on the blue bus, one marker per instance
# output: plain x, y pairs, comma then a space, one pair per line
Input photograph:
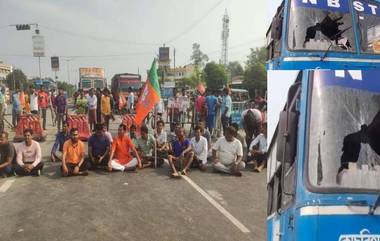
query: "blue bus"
324, 159
325, 34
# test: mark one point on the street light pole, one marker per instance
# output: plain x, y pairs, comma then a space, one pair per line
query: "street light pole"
39, 66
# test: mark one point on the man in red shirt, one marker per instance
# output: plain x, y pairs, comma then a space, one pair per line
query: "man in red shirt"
120, 157
43, 104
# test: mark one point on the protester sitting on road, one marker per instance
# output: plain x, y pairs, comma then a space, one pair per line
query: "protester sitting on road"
120, 157
200, 147
258, 150
205, 133
28, 160
238, 135
181, 154
227, 153
98, 148
161, 141
57, 150
146, 146
8, 153
73, 162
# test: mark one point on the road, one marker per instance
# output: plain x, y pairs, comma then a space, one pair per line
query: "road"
146, 205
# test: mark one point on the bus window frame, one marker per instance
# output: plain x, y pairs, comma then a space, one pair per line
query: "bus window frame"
290, 170
355, 52
309, 186
274, 45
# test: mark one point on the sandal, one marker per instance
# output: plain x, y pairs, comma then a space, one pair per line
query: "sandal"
183, 172
175, 175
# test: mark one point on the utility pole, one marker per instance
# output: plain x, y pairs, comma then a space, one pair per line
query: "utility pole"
225, 34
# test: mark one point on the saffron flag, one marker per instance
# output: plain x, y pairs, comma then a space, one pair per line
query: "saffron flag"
150, 95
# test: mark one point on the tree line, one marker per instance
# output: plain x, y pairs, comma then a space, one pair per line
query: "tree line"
216, 76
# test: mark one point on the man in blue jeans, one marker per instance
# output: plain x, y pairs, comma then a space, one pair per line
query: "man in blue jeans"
181, 154
7, 152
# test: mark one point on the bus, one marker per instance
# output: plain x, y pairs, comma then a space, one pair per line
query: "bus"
122, 84
323, 175
240, 98
325, 34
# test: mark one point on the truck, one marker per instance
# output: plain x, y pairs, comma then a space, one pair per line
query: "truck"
91, 77
121, 84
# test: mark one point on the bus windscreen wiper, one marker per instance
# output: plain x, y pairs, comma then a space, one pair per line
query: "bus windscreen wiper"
377, 203
336, 39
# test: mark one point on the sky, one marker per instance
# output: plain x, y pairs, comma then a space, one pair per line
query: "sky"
279, 82
124, 35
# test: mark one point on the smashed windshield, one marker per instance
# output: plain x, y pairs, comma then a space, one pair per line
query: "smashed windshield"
368, 22
344, 146
319, 27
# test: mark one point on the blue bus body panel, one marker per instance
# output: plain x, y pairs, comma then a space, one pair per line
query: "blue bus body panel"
337, 227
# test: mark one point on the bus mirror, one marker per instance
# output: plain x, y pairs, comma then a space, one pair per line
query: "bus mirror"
287, 136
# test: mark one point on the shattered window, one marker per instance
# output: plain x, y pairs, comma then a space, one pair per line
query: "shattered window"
344, 146
312, 28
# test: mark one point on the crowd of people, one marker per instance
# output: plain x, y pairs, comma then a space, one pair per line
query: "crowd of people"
139, 147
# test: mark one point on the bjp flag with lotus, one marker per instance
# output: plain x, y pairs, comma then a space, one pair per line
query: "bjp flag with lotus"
150, 95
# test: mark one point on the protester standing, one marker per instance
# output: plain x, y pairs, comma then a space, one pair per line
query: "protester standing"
43, 104
106, 108
92, 102
60, 108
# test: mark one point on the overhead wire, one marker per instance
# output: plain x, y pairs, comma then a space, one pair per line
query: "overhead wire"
195, 23
97, 38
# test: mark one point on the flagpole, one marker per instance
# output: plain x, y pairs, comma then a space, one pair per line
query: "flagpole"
155, 131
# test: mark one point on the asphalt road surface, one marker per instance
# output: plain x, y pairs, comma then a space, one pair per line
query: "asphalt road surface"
146, 205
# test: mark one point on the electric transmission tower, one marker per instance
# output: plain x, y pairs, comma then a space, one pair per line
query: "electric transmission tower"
225, 33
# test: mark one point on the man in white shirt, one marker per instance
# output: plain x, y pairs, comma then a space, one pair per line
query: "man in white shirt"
200, 148
258, 149
33, 101
92, 102
28, 160
131, 100
161, 141
227, 153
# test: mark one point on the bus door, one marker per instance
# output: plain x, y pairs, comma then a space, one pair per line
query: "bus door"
282, 170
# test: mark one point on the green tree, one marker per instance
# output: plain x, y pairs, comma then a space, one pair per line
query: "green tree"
199, 59
255, 74
215, 75
16, 79
235, 69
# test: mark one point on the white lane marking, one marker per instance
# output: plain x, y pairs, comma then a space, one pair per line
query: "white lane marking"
228, 215
7, 184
